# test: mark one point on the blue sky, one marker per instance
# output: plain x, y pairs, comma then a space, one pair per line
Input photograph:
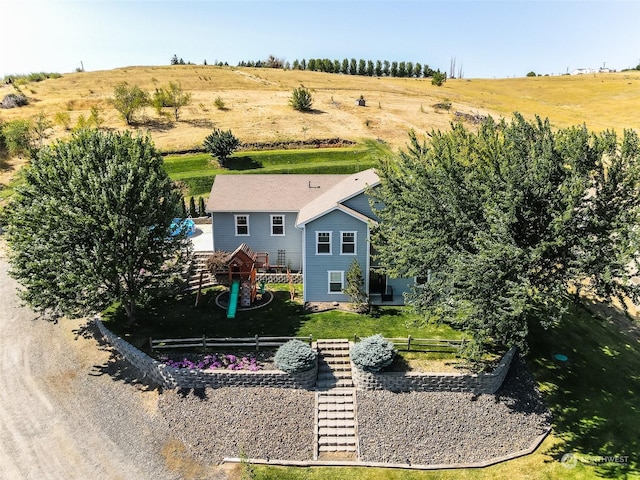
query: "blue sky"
487, 38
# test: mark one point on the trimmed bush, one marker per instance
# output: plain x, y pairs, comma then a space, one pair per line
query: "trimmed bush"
294, 357
373, 353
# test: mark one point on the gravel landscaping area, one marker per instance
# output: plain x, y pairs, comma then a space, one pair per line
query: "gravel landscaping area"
265, 422
446, 428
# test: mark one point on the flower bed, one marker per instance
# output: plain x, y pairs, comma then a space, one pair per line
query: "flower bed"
214, 362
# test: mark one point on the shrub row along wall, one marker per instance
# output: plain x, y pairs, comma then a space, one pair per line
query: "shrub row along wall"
434, 382
170, 377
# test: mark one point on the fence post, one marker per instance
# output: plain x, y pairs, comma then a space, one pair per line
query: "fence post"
409, 343
204, 341
151, 344
310, 339
355, 338
257, 343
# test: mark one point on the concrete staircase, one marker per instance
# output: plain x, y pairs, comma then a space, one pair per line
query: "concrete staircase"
335, 422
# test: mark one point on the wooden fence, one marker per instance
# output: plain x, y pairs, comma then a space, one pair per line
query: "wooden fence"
204, 342
424, 344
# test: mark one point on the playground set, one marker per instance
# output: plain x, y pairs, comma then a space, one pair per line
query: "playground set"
243, 290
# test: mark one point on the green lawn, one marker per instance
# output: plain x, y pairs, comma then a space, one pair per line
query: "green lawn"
199, 170
179, 318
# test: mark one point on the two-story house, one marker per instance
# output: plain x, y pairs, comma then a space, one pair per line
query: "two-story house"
315, 224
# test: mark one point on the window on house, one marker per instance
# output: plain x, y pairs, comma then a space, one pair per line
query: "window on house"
323, 243
348, 243
277, 225
242, 225
336, 281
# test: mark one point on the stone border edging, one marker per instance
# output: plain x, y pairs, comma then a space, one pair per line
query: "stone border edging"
434, 382
170, 377
402, 466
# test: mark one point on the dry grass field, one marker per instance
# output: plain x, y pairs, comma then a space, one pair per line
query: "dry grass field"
256, 102
257, 109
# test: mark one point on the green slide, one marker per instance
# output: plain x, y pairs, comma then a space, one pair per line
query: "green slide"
233, 299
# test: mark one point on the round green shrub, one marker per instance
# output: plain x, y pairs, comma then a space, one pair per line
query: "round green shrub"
373, 353
294, 357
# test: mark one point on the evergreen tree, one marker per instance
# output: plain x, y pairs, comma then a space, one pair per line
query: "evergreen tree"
362, 67
301, 99
417, 70
345, 67
192, 207
410, 71
378, 68
370, 68
202, 210
353, 67
355, 287
386, 71
90, 226
498, 225
402, 69
221, 144
394, 69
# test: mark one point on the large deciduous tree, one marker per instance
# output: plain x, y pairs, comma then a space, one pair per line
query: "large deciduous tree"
500, 224
91, 225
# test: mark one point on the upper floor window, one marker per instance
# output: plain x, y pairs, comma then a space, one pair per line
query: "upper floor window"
277, 224
348, 243
242, 225
323, 243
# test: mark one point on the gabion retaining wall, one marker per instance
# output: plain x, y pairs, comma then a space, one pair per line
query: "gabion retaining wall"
278, 277
433, 382
170, 377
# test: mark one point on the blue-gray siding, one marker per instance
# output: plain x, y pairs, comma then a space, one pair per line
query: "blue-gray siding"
360, 203
316, 272
260, 238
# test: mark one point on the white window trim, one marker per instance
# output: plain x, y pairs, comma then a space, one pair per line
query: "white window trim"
341, 272
355, 242
318, 232
235, 223
282, 225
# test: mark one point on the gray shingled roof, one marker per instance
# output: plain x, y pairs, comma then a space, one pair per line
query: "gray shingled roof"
268, 193
329, 200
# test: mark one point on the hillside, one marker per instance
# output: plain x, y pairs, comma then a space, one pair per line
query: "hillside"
257, 109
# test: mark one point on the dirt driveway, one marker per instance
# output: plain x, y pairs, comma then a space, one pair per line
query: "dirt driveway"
69, 409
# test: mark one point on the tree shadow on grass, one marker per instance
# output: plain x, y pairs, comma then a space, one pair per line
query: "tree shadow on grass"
154, 124
178, 317
243, 162
593, 395
199, 123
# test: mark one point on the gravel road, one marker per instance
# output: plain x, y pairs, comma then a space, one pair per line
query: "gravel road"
62, 415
